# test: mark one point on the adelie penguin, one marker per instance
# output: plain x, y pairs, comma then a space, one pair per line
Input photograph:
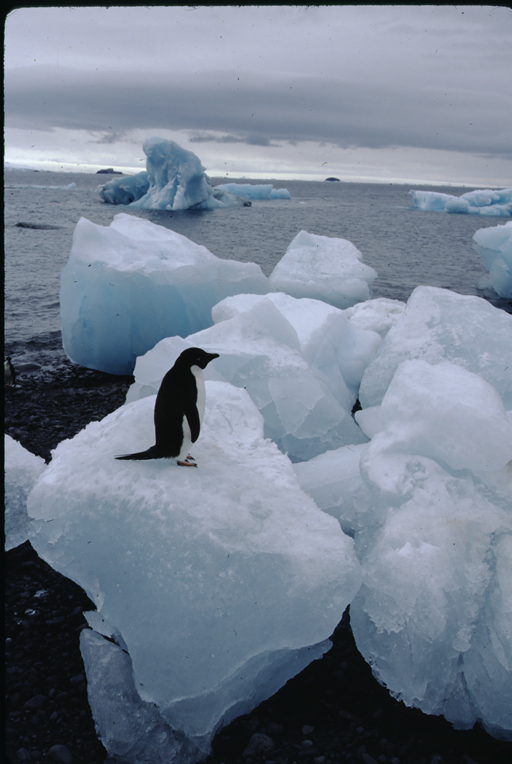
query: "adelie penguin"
179, 409
9, 373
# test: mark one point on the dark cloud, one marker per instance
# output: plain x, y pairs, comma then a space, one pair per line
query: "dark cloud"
260, 110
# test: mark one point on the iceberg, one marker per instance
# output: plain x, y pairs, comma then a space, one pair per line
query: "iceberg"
213, 586
125, 190
427, 501
174, 179
260, 191
482, 202
300, 360
440, 325
21, 471
324, 268
495, 248
129, 284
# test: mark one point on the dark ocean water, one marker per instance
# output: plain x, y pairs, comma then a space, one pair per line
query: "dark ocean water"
407, 247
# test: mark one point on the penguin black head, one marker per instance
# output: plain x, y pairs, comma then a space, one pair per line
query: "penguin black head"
195, 357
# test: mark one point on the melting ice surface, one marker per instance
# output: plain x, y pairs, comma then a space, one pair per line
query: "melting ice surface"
483, 202
495, 248
129, 284
221, 582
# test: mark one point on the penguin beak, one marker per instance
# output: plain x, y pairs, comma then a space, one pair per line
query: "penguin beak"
211, 357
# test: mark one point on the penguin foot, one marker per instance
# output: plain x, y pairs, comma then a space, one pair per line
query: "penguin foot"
186, 463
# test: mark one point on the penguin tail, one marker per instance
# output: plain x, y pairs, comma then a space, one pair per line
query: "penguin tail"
151, 453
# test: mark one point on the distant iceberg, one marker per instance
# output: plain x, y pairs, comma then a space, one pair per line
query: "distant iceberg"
175, 179
495, 248
254, 191
482, 202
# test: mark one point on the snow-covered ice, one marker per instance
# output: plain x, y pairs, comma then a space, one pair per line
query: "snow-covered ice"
174, 179
438, 325
494, 245
481, 202
221, 582
300, 360
129, 284
325, 268
21, 471
259, 191
429, 503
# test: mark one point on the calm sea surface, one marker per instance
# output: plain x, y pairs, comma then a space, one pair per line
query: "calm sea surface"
407, 247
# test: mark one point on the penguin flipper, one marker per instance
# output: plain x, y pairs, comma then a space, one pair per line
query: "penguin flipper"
150, 453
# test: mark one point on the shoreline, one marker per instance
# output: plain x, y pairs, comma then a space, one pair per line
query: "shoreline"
333, 712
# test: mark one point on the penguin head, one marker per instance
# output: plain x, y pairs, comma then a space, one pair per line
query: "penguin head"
196, 357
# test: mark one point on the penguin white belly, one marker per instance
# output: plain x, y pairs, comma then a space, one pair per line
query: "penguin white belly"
201, 391
187, 441
200, 405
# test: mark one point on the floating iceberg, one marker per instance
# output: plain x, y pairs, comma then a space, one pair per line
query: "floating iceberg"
254, 190
174, 179
21, 471
125, 190
428, 504
495, 248
483, 202
440, 325
128, 285
300, 360
324, 268
182, 565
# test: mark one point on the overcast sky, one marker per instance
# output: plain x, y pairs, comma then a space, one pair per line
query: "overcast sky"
391, 93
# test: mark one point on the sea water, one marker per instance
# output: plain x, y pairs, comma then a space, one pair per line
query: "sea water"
406, 246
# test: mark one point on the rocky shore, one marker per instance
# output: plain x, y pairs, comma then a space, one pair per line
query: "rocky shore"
334, 711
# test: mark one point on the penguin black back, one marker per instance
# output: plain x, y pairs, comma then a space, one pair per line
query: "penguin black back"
179, 407
9, 373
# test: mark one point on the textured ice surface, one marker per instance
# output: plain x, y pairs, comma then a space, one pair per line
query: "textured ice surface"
324, 268
174, 179
128, 285
21, 471
254, 190
482, 202
495, 248
300, 361
429, 503
377, 315
221, 582
440, 325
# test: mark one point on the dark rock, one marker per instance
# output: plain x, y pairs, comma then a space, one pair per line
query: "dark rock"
61, 754
38, 701
258, 745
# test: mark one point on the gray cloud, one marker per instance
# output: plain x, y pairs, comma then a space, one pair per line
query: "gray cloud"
262, 109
